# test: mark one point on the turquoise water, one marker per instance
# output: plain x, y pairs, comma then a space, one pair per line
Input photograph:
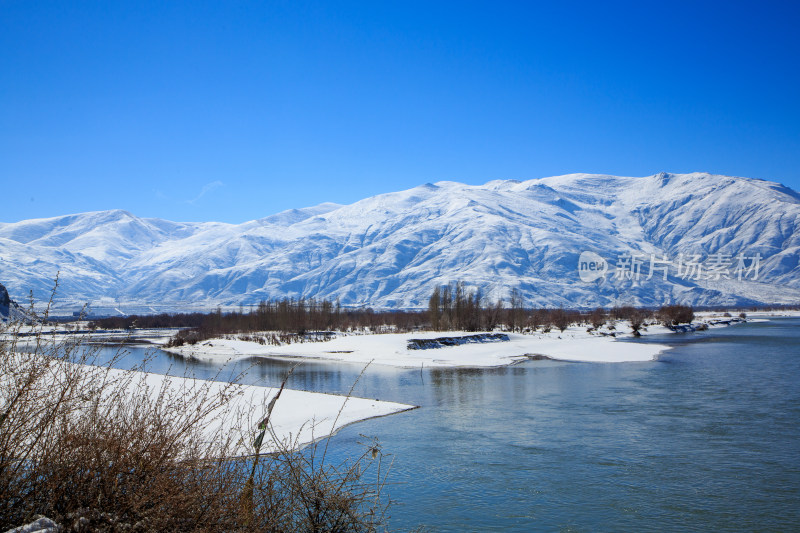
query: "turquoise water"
704, 439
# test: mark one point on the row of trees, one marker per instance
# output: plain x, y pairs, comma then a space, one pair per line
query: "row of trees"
450, 307
287, 316
453, 307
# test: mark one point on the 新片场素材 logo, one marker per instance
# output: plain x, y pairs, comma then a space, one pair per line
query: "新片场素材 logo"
637, 267
591, 266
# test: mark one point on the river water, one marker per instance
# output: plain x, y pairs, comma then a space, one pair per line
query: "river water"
706, 438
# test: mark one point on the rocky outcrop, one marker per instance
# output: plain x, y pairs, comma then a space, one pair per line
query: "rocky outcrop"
441, 342
9, 310
5, 302
41, 525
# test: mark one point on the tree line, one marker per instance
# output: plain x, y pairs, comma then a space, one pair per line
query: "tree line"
451, 307
286, 316
454, 307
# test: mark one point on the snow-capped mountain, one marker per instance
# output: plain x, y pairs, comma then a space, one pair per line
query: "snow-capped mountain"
690, 238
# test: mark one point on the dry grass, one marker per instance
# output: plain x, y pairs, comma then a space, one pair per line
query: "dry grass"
95, 451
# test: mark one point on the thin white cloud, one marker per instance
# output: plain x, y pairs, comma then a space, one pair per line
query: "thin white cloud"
208, 187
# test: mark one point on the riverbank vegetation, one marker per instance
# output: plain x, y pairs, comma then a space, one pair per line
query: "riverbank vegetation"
451, 307
94, 450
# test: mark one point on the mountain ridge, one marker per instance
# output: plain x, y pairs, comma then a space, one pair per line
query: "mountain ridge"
390, 250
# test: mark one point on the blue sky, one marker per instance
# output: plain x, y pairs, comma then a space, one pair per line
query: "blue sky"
233, 111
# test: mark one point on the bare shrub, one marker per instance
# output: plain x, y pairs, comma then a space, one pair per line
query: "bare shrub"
597, 317
92, 448
636, 317
560, 319
671, 315
303, 495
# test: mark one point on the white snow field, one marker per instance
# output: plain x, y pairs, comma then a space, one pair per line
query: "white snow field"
391, 250
574, 344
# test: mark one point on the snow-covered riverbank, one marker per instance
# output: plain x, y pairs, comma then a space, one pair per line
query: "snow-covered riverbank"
230, 411
298, 418
574, 344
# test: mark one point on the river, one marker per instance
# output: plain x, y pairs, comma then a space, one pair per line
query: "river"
706, 438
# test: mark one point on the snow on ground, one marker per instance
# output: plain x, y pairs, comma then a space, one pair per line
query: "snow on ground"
298, 417
773, 314
574, 344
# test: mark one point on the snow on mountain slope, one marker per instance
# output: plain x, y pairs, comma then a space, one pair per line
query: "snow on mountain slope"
391, 250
